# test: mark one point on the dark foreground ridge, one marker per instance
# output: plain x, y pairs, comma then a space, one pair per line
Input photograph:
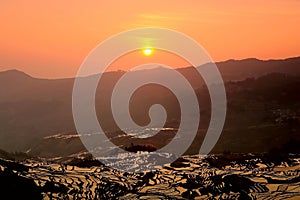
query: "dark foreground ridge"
228, 176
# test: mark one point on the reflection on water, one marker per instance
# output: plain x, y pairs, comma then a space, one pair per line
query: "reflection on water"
146, 132
210, 177
136, 162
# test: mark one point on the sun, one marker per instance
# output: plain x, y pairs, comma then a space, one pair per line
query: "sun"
147, 51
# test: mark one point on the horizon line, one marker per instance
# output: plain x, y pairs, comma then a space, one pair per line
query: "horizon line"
183, 67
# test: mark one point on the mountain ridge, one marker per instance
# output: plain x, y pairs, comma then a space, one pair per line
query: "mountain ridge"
229, 61
32, 108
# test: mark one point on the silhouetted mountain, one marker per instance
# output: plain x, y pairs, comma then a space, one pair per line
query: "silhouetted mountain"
241, 69
260, 108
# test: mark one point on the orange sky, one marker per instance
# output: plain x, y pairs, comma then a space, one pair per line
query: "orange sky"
51, 38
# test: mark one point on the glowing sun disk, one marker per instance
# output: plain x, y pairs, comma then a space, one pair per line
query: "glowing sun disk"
147, 51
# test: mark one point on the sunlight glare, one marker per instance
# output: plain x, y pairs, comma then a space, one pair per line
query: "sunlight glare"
147, 51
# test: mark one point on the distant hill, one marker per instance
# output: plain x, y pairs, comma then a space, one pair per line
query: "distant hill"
252, 67
32, 109
59, 145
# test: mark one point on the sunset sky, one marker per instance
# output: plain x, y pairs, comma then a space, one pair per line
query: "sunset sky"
51, 38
